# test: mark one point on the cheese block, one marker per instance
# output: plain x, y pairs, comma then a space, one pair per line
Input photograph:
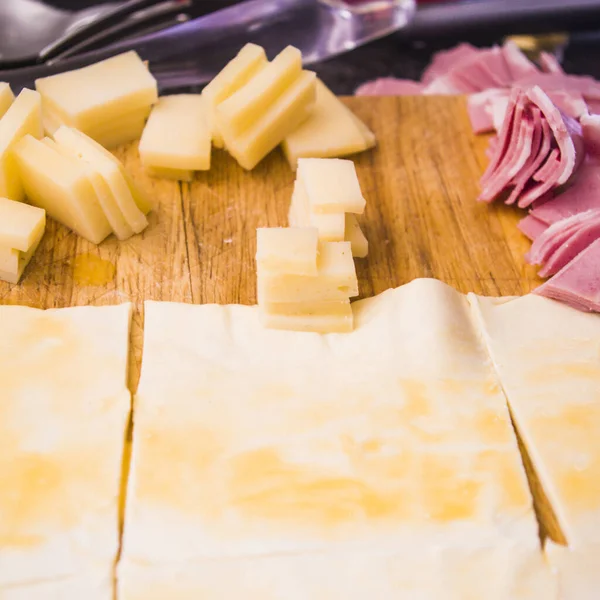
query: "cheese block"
24, 117
163, 173
6, 97
59, 186
331, 185
176, 135
332, 130
14, 262
287, 250
236, 73
331, 228
318, 317
92, 153
577, 570
546, 355
20, 224
283, 116
380, 463
117, 137
65, 409
105, 197
353, 234
99, 93
336, 279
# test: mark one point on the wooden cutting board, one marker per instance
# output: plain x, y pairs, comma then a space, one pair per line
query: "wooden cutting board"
422, 220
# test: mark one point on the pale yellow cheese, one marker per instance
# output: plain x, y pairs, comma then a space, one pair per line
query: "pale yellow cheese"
357, 239
92, 153
331, 227
20, 224
117, 137
331, 185
176, 135
331, 130
6, 97
24, 117
287, 250
58, 185
14, 262
236, 73
163, 173
99, 93
336, 279
340, 320
283, 116
104, 194
577, 570
243, 108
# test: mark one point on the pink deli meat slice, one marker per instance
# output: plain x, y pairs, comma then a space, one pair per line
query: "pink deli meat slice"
480, 107
445, 60
531, 227
390, 86
549, 63
582, 195
555, 236
588, 87
590, 127
518, 64
577, 243
577, 283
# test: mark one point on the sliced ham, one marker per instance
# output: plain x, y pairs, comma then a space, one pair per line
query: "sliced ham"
518, 64
590, 127
577, 283
588, 87
480, 107
390, 86
447, 59
582, 195
549, 63
531, 227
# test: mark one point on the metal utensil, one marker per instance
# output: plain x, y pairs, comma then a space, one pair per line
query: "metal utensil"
32, 31
192, 53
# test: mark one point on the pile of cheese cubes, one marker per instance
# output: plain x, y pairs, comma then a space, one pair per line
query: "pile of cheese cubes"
306, 272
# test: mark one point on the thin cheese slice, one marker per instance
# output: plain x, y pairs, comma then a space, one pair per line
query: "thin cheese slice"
14, 262
24, 117
65, 408
92, 153
282, 117
106, 198
354, 235
375, 464
331, 228
99, 93
331, 185
236, 73
287, 250
243, 108
336, 279
332, 130
176, 135
61, 188
20, 224
162, 173
318, 317
6, 97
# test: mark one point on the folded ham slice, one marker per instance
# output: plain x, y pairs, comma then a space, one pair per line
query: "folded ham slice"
445, 60
532, 158
390, 86
531, 227
590, 127
578, 283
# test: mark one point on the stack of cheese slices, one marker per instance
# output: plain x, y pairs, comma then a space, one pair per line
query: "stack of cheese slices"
306, 275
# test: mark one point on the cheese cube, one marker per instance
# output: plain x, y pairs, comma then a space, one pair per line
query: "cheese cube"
331, 228
99, 93
357, 239
163, 173
318, 317
236, 114
123, 135
236, 73
110, 170
61, 188
331, 185
23, 117
176, 135
6, 97
336, 279
331, 130
287, 251
14, 262
20, 224
105, 197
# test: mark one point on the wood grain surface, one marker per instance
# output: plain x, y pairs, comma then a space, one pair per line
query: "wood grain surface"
422, 220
